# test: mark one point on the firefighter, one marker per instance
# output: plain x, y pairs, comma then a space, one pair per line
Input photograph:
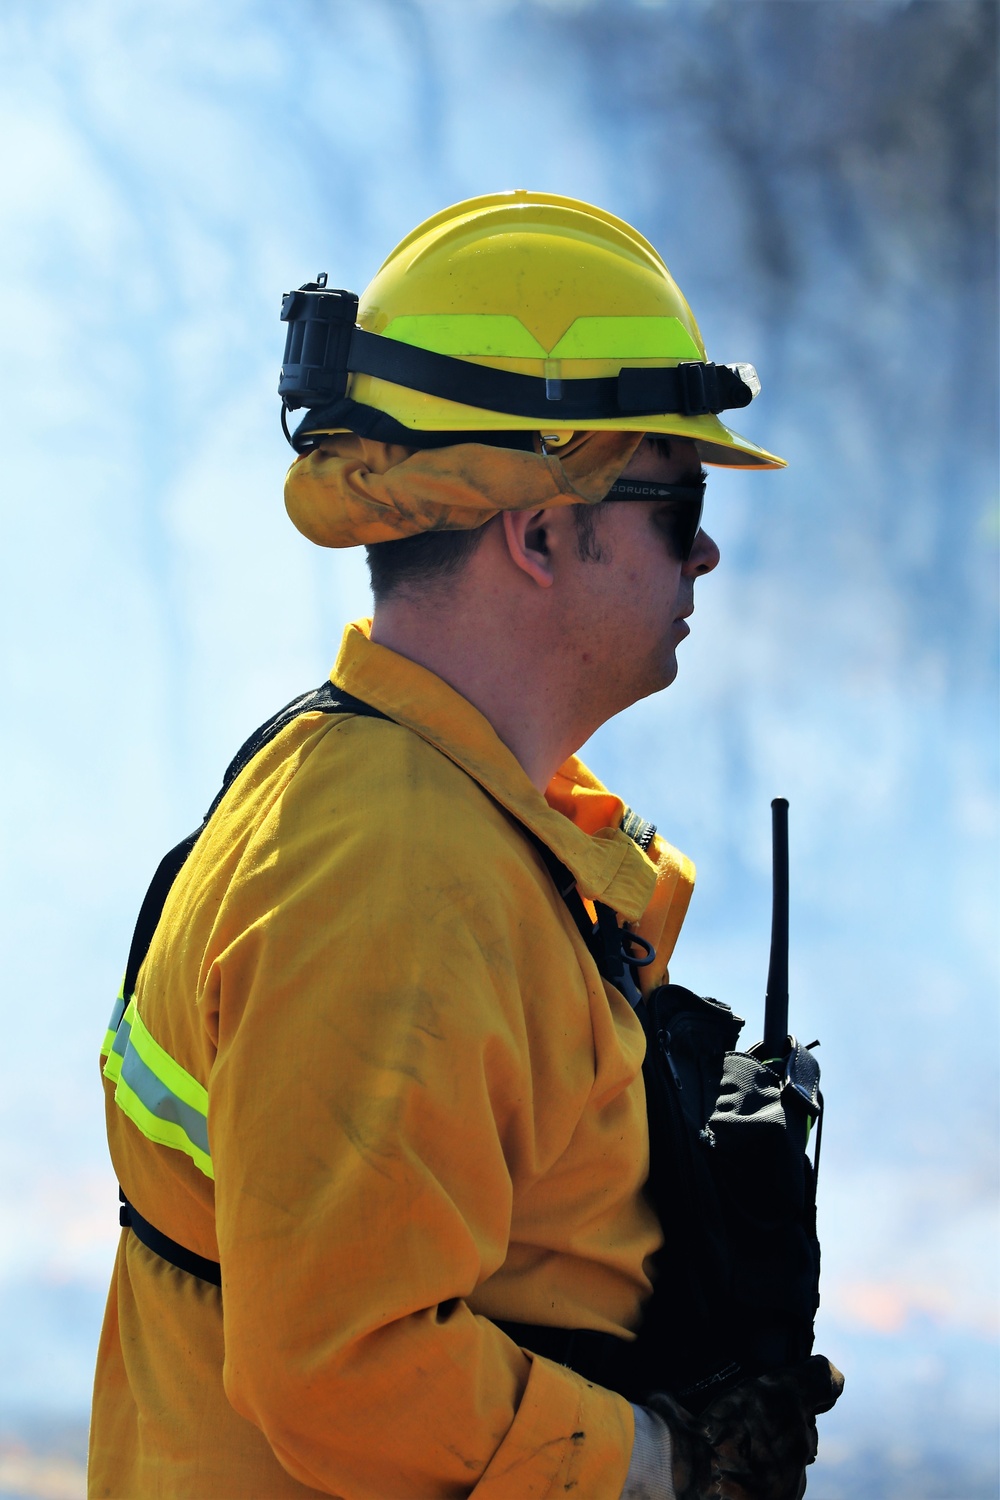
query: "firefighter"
378, 1120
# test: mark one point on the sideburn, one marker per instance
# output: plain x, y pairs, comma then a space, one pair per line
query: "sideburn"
587, 519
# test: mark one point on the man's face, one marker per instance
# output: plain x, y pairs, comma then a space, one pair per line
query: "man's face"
632, 604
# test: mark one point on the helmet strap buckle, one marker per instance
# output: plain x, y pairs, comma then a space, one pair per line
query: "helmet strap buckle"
693, 398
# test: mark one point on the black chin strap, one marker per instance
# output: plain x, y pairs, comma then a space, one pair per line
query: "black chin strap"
369, 422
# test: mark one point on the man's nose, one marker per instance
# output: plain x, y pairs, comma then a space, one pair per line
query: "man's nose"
704, 556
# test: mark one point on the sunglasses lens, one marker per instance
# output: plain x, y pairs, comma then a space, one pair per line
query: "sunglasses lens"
682, 522
678, 514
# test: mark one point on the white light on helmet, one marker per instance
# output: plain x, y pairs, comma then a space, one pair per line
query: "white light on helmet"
749, 377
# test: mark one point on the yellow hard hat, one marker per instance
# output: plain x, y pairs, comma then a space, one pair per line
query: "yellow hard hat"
522, 312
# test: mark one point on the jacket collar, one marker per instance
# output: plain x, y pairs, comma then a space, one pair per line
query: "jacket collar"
577, 818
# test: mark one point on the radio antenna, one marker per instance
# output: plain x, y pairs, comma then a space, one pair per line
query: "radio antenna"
776, 1002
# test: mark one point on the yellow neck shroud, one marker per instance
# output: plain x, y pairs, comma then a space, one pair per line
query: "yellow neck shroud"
352, 491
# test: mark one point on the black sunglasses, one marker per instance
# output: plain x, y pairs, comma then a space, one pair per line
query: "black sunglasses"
681, 517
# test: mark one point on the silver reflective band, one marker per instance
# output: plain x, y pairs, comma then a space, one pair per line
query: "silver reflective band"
123, 1032
161, 1102
164, 1101
108, 1045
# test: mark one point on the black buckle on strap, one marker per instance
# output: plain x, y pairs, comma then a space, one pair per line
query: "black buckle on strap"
689, 388
691, 392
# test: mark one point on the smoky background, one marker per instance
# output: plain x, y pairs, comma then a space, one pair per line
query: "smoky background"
821, 180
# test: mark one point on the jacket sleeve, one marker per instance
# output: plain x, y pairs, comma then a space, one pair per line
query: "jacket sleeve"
370, 1109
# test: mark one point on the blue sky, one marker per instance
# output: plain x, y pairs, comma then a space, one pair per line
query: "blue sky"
170, 170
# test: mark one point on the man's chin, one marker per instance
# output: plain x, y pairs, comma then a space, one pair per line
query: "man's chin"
669, 671
660, 677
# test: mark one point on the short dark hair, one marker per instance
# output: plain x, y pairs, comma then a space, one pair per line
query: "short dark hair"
417, 561
432, 556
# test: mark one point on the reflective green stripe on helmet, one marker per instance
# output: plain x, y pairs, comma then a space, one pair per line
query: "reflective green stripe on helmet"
159, 1096
504, 336
626, 338
500, 335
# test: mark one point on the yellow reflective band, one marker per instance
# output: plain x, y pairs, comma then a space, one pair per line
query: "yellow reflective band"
161, 1098
113, 1064
177, 1079
626, 338
467, 335
161, 1132
117, 1013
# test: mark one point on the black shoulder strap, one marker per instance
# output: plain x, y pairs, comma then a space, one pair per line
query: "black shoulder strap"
327, 699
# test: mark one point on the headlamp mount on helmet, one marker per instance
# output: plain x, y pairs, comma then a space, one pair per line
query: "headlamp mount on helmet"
324, 347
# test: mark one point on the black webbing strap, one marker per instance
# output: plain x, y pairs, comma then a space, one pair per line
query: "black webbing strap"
565, 883
596, 1356
166, 1248
692, 388
152, 905
345, 414
601, 1357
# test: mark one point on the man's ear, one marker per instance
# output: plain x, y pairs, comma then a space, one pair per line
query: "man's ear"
527, 534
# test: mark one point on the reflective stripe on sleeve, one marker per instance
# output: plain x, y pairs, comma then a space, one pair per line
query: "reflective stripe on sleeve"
159, 1096
113, 1025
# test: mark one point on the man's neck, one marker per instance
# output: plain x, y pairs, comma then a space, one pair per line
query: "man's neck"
500, 671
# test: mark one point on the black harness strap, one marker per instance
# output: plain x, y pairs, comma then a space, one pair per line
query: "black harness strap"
601, 1357
167, 1249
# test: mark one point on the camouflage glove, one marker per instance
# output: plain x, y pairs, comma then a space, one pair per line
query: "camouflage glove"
756, 1441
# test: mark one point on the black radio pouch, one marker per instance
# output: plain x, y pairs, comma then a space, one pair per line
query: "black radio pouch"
736, 1284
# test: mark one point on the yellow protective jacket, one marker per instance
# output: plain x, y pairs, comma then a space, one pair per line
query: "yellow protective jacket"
424, 1108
